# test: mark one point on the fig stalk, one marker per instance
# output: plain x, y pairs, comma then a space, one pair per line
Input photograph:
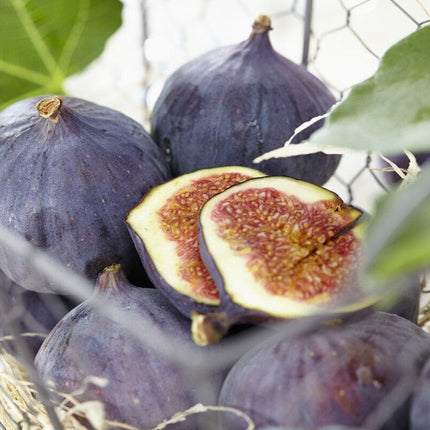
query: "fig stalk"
262, 24
209, 328
50, 107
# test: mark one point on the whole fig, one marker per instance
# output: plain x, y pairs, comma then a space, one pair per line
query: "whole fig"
69, 172
145, 385
334, 374
30, 314
237, 102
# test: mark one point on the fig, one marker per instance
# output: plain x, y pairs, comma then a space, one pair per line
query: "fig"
238, 102
420, 411
357, 373
163, 227
30, 314
69, 172
280, 247
145, 385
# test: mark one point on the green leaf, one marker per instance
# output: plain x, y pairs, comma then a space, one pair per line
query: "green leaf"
398, 235
45, 41
390, 111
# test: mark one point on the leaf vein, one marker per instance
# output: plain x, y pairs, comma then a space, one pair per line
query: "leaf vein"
75, 35
35, 36
23, 73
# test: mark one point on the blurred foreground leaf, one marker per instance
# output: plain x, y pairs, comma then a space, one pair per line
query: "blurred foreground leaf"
390, 111
398, 235
43, 42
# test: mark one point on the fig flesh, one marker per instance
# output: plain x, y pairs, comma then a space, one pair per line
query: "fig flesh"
69, 172
145, 384
337, 374
164, 229
279, 247
238, 102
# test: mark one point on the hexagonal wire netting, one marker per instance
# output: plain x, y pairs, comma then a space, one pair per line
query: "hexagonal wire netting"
341, 42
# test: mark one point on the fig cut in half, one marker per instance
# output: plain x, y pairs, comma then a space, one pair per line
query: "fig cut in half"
164, 229
279, 247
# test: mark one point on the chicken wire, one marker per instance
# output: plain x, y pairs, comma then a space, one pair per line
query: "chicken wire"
341, 42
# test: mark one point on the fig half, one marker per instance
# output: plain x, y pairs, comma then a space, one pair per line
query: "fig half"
164, 229
281, 247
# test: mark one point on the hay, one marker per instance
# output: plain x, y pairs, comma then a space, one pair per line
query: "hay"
19, 409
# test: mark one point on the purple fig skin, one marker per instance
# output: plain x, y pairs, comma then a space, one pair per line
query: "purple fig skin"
335, 374
238, 102
67, 180
29, 312
420, 411
145, 387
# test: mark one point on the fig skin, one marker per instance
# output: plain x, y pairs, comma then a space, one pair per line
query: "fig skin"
145, 387
69, 172
238, 102
334, 374
30, 313
420, 410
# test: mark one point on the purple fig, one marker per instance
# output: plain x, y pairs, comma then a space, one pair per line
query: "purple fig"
238, 102
144, 384
30, 314
69, 172
336, 374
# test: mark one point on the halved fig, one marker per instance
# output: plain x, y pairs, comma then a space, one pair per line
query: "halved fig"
281, 247
164, 229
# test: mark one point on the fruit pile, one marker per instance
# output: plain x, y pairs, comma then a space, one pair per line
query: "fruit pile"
214, 283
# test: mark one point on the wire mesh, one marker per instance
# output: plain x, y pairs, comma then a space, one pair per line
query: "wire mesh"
341, 42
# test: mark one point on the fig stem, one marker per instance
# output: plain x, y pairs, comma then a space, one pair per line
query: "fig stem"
111, 277
208, 328
262, 24
49, 107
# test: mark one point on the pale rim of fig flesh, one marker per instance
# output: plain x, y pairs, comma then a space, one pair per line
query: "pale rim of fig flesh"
236, 222
146, 220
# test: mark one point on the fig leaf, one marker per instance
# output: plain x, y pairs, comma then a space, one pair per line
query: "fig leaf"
46, 41
398, 235
390, 111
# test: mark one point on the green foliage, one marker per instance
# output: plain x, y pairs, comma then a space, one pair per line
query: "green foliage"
390, 111
43, 42
398, 236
